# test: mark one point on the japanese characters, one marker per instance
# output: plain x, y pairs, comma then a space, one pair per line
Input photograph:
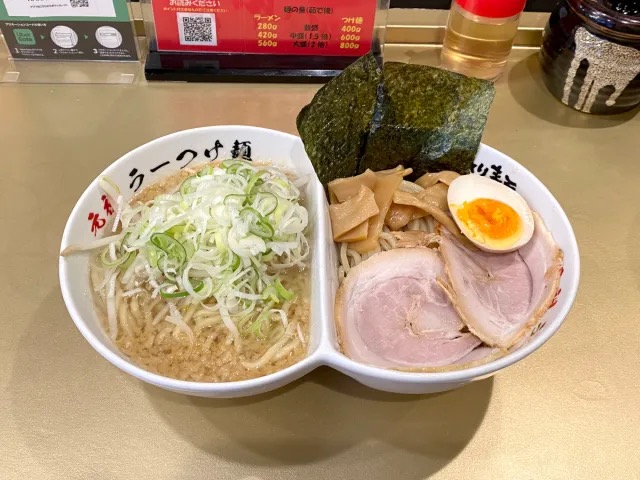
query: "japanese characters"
495, 173
283, 27
240, 149
98, 222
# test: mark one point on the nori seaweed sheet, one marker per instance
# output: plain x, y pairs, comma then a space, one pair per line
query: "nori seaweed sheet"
335, 125
428, 119
421, 117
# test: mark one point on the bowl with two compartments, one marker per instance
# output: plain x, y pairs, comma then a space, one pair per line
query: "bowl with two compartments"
169, 154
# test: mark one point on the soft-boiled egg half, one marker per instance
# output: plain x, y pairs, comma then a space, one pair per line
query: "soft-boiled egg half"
491, 215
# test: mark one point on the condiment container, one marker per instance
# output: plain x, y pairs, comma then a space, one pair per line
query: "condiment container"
590, 55
480, 35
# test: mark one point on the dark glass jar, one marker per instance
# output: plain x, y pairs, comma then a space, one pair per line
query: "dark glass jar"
590, 56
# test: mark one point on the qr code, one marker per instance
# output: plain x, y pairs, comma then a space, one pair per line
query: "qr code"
197, 29
79, 3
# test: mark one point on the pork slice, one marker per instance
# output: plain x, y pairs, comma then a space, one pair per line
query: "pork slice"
479, 356
391, 312
544, 258
502, 296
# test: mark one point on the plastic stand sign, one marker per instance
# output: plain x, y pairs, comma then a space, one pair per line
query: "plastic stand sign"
67, 41
259, 40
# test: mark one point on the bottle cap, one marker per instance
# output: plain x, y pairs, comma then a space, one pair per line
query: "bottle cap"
493, 8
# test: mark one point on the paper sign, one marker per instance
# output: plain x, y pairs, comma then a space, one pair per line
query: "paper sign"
68, 29
60, 8
294, 27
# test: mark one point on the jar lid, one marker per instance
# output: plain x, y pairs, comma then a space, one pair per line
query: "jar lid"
610, 22
493, 8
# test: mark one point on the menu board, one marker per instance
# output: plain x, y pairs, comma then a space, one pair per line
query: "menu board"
276, 27
68, 29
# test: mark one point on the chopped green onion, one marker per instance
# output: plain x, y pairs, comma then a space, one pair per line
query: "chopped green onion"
235, 200
208, 170
263, 229
126, 264
185, 187
108, 262
181, 294
236, 262
283, 292
253, 180
256, 327
232, 166
265, 203
170, 246
123, 243
224, 235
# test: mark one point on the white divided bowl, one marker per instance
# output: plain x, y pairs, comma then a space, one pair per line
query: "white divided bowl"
280, 148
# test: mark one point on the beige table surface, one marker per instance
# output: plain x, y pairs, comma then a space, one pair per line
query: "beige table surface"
570, 411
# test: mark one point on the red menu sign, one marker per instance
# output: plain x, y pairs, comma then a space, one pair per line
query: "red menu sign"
289, 27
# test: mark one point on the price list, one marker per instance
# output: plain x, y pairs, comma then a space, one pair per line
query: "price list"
290, 27
267, 30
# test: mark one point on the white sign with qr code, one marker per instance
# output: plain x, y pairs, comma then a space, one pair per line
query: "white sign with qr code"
197, 29
60, 8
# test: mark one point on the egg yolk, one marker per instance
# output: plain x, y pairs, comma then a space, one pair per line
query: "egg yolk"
492, 219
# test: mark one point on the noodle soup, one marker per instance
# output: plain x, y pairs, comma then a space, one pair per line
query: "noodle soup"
207, 277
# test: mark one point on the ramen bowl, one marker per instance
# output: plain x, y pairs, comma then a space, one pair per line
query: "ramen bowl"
90, 220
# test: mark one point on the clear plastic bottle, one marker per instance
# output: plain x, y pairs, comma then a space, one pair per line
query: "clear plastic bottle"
480, 35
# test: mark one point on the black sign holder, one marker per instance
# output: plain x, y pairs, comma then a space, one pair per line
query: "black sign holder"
249, 68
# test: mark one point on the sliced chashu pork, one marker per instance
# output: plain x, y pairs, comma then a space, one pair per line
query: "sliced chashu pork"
391, 313
502, 296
